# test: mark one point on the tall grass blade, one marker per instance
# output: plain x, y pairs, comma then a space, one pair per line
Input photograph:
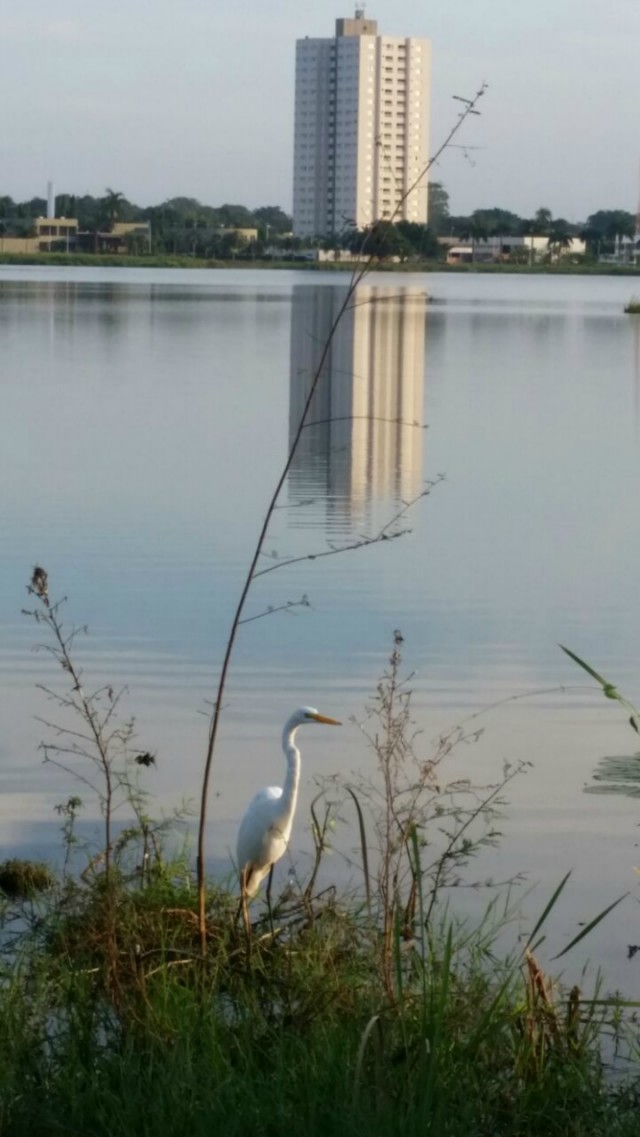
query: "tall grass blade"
397, 955
488, 1017
439, 1004
585, 667
363, 846
590, 926
609, 690
366, 1034
548, 908
417, 869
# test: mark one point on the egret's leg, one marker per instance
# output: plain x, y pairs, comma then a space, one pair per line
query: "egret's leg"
269, 883
244, 902
240, 901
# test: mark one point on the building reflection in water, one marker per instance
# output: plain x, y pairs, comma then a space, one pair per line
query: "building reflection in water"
364, 448
636, 374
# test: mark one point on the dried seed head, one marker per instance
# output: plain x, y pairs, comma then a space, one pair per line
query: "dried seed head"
39, 583
145, 759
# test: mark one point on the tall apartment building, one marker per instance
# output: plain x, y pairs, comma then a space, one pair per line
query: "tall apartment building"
361, 128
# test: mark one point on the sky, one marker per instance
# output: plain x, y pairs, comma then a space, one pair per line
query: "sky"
158, 98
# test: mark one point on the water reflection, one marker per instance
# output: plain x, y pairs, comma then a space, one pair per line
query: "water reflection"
366, 444
636, 375
137, 448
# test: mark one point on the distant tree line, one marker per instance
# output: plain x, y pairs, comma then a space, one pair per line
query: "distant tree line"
184, 225
407, 239
180, 225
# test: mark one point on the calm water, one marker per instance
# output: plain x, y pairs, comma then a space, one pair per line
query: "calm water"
144, 417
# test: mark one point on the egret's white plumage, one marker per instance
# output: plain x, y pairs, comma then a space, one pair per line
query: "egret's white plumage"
266, 826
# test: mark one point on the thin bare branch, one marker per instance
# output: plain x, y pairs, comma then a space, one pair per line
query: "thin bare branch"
361, 544
366, 418
357, 276
271, 610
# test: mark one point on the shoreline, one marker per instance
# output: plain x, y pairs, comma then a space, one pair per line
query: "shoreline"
89, 260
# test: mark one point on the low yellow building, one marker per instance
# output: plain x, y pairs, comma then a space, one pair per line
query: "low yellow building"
48, 232
246, 235
62, 234
18, 244
50, 229
119, 237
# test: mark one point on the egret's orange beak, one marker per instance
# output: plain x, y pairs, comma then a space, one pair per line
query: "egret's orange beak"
323, 718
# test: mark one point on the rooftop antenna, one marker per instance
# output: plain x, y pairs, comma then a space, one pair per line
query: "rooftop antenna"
638, 213
360, 12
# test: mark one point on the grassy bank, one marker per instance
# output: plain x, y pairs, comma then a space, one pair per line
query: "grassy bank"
111, 1024
88, 260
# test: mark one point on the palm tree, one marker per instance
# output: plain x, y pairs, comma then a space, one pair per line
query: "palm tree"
528, 228
112, 206
542, 221
474, 231
592, 238
559, 238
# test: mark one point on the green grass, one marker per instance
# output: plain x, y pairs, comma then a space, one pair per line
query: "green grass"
91, 260
110, 1024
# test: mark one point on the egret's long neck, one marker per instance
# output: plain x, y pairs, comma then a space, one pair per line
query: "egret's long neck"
292, 780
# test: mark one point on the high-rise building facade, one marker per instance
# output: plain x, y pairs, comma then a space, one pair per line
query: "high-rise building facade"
361, 129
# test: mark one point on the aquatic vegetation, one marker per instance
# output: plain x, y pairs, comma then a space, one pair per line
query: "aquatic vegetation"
22, 879
618, 774
371, 1011
112, 1022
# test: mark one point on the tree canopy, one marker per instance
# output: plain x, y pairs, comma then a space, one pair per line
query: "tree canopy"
438, 207
186, 225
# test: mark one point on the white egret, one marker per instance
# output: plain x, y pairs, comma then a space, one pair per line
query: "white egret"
266, 826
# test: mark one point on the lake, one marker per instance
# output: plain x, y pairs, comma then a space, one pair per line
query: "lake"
146, 416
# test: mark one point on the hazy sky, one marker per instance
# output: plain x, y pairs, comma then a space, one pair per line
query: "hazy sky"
159, 97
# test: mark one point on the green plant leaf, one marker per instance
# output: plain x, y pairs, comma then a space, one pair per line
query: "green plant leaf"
609, 690
551, 904
585, 667
590, 926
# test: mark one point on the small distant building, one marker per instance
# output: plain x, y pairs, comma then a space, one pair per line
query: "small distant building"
244, 236
14, 244
496, 250
53, 230
343, 256
53, 234
122, 237
626, 251
49, 234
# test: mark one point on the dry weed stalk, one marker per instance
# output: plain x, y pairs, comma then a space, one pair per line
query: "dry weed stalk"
551, 1023
96, 711
358, 275
95, 746
426, 827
